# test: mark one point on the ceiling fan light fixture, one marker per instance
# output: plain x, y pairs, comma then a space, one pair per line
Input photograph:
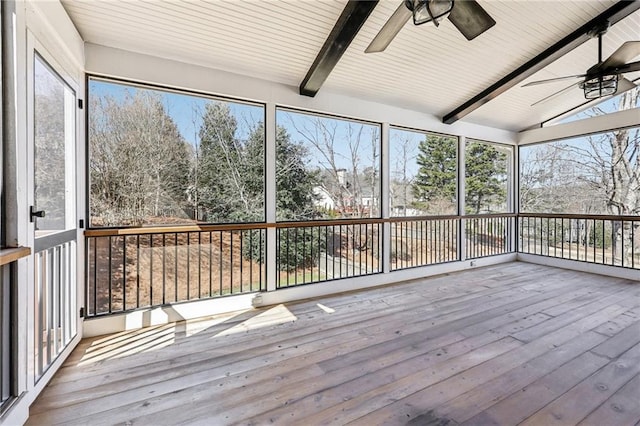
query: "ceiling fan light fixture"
428, 10
600, 86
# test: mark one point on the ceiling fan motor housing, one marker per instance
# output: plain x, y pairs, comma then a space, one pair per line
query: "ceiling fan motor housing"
428, 10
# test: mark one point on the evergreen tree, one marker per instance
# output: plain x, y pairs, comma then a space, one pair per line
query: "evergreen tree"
294, 182
231, 171
485, 177
435, 181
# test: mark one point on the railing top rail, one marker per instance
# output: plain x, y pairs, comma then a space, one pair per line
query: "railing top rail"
415, 218
325, 222
107, 232
480, 216
581, 216
11, 254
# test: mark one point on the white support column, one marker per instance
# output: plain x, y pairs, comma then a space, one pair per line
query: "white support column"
514, 192
270, 194
462, 238
385, 177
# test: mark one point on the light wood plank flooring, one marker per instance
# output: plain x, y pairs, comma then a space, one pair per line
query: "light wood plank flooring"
510, 344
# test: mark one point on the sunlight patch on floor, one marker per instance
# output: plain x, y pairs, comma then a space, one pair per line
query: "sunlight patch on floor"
144, 340
277, 315
326, 308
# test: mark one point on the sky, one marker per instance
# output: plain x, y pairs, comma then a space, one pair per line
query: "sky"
184, 109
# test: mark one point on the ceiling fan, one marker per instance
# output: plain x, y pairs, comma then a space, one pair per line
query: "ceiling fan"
604, 78
467, 16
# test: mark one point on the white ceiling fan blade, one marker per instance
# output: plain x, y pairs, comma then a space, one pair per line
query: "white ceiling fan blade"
625, 53
550, 80
390, 29
556, 94
624, 84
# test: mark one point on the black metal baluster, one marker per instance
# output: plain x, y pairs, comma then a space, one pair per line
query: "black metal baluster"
110, 277
188, 265
622, 247
594, 242
231, 283
326, 255
296, 271
124, 272
175, 266
241, 234
288, 264
210, 264
220, 261
137, 270
251, 232
366, 241
95, 275
151, 269
633, 246
164, 264
278, 256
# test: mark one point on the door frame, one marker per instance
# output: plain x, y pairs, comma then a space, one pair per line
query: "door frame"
37, 48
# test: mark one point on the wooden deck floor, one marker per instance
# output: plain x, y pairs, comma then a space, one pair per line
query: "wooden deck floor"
510, 344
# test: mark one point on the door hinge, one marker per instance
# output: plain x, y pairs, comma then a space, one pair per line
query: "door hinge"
82, 312
80, 104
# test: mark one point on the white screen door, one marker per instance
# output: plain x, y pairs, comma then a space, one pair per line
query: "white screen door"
53, 214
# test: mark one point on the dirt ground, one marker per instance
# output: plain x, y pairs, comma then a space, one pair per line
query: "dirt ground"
164, 268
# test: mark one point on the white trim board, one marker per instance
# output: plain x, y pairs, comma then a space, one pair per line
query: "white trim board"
574, 265
588, 126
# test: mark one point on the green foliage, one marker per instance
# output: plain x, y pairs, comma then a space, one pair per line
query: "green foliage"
437, 174
485, 177
230, 180
299, 247
600, 235
294, 183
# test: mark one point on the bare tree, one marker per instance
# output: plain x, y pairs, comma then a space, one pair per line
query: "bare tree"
598, 174
405, 154
349, 169
139, 163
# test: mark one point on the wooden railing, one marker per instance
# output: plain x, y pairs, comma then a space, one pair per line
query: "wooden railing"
423, 241
131, 268
599, 239
488, 234
311, 252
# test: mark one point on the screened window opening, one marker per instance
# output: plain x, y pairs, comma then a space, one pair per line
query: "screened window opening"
326, 168
487, 177
158, 157
424, 170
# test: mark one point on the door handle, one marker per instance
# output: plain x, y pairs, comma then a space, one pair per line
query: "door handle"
33, 213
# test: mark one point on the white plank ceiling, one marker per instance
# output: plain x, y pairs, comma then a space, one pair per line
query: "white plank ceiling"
429, 69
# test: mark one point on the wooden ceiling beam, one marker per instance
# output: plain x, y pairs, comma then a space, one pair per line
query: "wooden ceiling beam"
351, 19
614, 14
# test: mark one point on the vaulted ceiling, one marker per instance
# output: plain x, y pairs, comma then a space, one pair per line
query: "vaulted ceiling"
429, 69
